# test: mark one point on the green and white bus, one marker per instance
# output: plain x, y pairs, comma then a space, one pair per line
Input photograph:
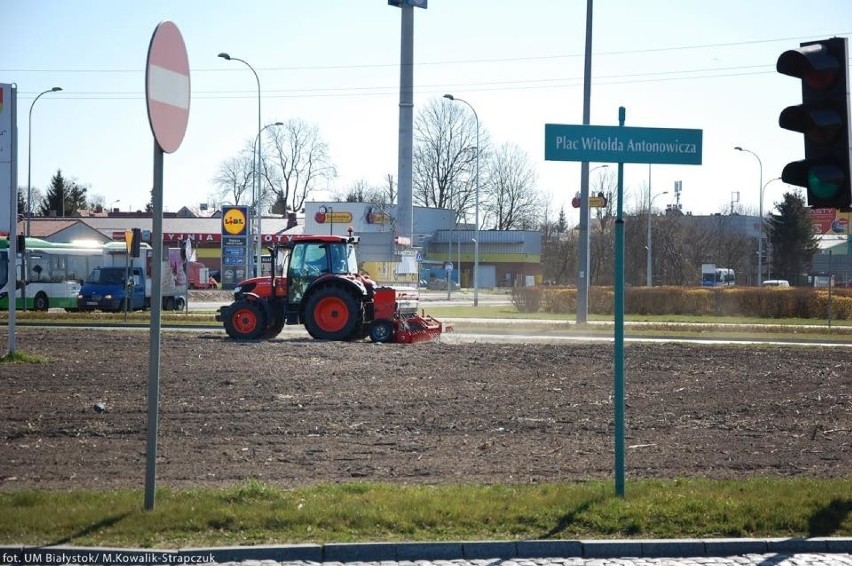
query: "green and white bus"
54, 273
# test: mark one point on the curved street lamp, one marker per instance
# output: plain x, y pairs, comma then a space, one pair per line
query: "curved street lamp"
476, 239
760, 221
256, 165
30, 157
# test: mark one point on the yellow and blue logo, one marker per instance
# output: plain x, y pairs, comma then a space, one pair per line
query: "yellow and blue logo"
234, 220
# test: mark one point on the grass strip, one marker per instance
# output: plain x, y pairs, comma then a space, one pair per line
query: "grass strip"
257, 513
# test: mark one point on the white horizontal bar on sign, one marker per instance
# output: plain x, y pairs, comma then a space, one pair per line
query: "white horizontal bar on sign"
168, 87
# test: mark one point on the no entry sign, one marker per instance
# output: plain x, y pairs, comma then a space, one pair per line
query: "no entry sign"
167, 89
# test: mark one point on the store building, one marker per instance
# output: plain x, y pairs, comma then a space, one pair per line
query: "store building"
505, 257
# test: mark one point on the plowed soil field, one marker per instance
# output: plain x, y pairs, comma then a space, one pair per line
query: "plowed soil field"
298, 411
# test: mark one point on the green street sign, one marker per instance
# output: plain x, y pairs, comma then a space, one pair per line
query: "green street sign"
620, 144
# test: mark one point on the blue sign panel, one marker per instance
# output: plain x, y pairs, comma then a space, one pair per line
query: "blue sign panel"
620, 144
233, 251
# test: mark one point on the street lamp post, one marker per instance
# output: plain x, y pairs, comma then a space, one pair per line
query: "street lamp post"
648, 268
30, 156
259, 200
760, 221
596, 168
768, 252
476, 213
255, 166
113, 204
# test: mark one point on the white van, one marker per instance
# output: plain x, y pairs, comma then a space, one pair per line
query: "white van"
776, 283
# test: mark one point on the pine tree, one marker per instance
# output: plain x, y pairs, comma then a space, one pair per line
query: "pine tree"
64, 197
791, 236
279, 207
562, 223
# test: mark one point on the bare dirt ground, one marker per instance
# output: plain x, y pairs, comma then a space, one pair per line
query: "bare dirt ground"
297, 411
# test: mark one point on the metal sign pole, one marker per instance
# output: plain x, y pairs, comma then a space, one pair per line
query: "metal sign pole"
618, 393
167, 93
156, 308
9, 162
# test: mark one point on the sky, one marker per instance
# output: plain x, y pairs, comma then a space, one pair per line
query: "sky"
335, 64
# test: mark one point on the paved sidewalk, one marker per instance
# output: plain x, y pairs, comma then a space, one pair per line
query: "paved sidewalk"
798, 552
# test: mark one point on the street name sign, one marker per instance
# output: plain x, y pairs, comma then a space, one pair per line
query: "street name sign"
620, 144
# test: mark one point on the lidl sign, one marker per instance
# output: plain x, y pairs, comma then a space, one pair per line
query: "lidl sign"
620, 144
234, 220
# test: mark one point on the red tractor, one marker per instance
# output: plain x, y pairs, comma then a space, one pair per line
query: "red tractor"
320, 286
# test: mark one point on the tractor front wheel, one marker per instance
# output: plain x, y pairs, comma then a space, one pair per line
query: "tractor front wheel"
274, 329
245, 321
332, 313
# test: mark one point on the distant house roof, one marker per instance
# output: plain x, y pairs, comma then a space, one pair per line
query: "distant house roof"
61, 230
180, 225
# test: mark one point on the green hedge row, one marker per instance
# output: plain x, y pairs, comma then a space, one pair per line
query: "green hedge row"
700, 301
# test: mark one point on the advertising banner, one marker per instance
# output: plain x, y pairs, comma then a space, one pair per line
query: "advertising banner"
830, 222
338, 217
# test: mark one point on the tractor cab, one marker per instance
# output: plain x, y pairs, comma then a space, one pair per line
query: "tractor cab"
308, 261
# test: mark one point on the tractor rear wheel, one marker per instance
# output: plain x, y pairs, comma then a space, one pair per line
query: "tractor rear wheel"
245, 321
332, 313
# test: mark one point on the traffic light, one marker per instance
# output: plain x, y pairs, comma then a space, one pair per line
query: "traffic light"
135, 241
823, 117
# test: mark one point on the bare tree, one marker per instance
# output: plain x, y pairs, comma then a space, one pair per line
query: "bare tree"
512, 201
96, 202
390, 189
234, 178
298, 163
363, 191
559, 258
444, 160
601, 232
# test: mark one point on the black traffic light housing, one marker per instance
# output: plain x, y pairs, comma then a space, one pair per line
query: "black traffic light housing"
135, 242
823, 117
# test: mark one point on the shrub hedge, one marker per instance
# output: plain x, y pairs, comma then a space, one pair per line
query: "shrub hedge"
768, 302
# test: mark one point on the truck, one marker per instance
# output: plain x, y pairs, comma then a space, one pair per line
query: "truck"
198, 276
712, 276
315, 281
123, 282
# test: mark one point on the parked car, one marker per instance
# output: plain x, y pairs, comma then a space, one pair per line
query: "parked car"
775, 283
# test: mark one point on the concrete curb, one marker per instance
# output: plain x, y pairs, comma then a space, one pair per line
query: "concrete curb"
462, 550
